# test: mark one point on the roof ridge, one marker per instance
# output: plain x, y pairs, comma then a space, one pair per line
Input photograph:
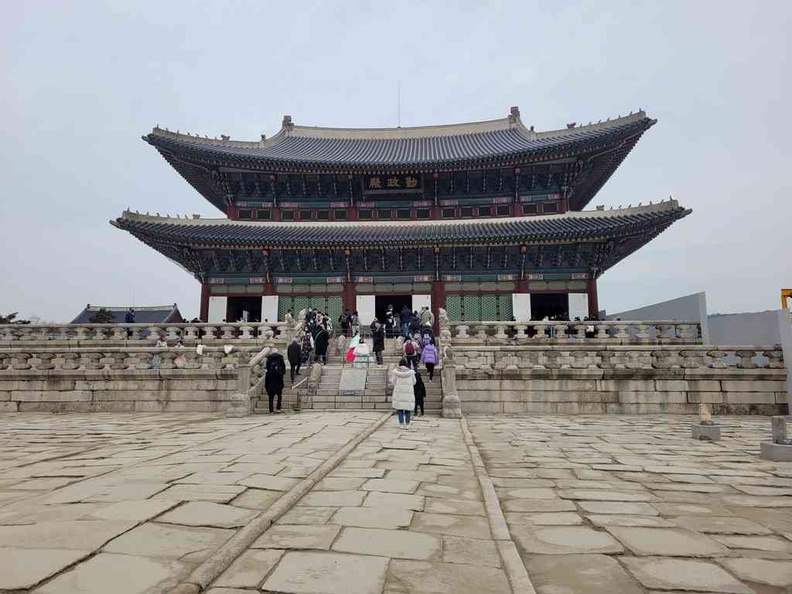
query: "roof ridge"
288, 129
169, 307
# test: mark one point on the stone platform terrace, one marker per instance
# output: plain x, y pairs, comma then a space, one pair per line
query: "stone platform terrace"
148, 502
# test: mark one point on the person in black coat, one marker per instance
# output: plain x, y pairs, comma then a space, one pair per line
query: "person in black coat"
294, 353
273, 378
321, 342
420, 394
378, 340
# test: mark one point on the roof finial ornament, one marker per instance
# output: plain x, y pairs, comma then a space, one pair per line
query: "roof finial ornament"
287, 123
514, 114
263, 137
571, 125
225, 137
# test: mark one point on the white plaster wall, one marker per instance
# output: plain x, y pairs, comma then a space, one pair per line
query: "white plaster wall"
690, 308
269, 308
217, 309
421, 301
521, 307
366, 309
760, 328
578, 305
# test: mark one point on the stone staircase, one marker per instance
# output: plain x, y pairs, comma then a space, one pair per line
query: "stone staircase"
373, 397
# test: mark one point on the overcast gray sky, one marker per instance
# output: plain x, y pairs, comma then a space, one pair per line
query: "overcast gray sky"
82, 81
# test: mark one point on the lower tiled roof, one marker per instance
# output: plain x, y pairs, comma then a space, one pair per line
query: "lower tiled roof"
569, 226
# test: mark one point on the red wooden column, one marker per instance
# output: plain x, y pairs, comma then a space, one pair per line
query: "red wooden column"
352, 211
349, 293
593, 301
204, 315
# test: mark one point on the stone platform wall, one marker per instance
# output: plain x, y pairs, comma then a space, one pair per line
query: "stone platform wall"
622, 380
124, 379
150, 390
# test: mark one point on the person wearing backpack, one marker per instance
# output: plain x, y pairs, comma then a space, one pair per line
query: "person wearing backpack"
273, 379
429, 358
410, 352
419, 389
403, 379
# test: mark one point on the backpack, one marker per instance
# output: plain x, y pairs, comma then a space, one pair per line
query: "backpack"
409, 348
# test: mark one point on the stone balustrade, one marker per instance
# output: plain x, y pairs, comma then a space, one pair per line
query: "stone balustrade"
143, 334
497, 358
609, 332
591, 378
53, 360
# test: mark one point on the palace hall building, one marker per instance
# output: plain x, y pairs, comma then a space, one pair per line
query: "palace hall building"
487, 220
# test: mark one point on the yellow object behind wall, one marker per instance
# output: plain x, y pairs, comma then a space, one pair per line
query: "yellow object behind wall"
785, 294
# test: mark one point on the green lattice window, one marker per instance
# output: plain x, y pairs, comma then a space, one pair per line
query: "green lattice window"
474, 308
331, 305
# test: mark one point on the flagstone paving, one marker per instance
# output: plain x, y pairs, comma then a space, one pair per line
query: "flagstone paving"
633, 504
134, 503
402, 514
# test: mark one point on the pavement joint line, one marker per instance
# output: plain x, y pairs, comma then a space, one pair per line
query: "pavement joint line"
518, 576
208, 571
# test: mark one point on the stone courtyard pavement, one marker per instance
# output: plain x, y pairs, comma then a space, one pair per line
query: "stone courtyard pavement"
631, 504
134, 503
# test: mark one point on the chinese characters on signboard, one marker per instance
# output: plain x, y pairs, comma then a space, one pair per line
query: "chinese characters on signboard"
391, 183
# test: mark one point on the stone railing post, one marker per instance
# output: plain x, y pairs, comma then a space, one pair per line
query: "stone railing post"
662, 331
452, 406
462, 331
746, 359
775, 358
717, 359
239, 402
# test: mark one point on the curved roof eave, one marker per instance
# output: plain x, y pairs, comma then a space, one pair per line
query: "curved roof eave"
509, 143
224, 234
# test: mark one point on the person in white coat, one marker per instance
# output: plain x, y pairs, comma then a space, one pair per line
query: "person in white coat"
403, 379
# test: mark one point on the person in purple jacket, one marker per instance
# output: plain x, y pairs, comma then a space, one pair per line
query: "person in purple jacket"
429, 357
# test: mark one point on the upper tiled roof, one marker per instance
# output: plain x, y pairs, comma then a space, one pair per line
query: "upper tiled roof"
222, 233
427, 146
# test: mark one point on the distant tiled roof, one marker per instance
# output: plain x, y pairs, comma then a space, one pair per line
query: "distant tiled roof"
420, 147
222, 233
153, 314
